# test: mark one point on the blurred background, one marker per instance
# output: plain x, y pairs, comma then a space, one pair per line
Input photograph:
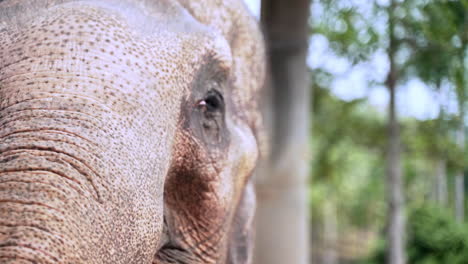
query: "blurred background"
367, 111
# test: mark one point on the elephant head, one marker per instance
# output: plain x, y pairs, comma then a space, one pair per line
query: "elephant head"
129, 130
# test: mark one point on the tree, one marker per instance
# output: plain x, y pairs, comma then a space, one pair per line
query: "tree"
452, 41
345, 190
441, 54
395, 196
347, 41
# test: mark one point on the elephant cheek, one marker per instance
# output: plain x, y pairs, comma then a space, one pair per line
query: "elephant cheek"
243, 155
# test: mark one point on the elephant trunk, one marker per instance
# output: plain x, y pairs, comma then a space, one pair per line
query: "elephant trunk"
48, 185
73, 187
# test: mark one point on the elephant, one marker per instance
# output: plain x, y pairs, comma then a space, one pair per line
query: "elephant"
129, 130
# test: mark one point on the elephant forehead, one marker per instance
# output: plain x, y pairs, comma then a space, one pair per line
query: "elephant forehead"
103, 37
139, 63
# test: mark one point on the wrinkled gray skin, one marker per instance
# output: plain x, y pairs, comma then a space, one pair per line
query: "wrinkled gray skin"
128, 131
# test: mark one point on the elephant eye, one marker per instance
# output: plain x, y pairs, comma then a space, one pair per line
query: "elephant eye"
212, 104
211, 111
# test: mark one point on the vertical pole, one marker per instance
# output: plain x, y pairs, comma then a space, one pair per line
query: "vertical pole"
282, 212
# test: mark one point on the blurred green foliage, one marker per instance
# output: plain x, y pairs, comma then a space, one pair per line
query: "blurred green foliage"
349, 136
433, 236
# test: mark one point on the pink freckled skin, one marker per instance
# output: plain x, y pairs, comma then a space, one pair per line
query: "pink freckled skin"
129, 130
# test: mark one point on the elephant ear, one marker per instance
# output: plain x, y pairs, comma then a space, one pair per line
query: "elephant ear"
240, 245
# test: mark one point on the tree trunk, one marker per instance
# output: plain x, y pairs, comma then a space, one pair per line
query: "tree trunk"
460, 180
459, 196
461, 94
282, 213
440, 195
395, 197
330, 233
